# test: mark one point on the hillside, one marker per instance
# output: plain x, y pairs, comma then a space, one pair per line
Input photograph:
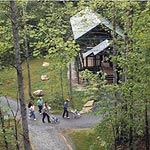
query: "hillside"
55, 89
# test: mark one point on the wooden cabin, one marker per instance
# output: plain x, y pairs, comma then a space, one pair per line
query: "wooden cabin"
93, 33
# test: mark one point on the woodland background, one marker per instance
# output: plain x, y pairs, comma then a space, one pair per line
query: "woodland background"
31, 31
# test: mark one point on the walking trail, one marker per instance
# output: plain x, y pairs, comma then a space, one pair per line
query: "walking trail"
48, 136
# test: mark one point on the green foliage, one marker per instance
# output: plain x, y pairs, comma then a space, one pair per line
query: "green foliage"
102, 131
80, 98
99, 78
124, 105
9, 134
49, 34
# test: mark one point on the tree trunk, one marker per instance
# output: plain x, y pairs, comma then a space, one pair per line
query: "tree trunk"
70, 85
28, 67
115, 67
27, 145
77, 68
146, 109
3, 130
61, 80
27, 58
131, 144
114, 45
146, 128
16, 123
129, 27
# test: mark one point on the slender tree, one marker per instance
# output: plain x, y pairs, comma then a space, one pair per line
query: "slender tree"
16, 123
128, 48
13, 11
27, 56
114, 66
70, 85
3, 129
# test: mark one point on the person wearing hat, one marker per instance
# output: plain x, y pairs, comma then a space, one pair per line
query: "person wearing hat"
40, 104
66, 113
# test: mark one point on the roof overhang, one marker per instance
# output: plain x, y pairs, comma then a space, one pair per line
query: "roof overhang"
97, 49
86, 20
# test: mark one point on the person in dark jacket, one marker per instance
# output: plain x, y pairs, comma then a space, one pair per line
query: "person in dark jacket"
66, 113
46, 109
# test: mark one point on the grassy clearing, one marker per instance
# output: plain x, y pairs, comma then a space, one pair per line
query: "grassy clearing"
54, 92
82, 139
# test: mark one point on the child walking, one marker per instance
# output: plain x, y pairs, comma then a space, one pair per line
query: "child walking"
31, 111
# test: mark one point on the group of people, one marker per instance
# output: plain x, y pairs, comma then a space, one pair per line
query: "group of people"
44, 109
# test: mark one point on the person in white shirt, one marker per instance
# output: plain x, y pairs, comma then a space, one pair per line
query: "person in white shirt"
31, 111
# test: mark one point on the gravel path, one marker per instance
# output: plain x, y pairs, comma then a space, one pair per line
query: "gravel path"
47, 136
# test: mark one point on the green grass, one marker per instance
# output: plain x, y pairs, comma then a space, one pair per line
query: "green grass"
52, 87
83, 139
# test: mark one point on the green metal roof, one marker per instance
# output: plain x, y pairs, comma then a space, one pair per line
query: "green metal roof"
86, 20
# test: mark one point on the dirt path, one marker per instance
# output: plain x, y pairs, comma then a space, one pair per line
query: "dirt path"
47, 136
